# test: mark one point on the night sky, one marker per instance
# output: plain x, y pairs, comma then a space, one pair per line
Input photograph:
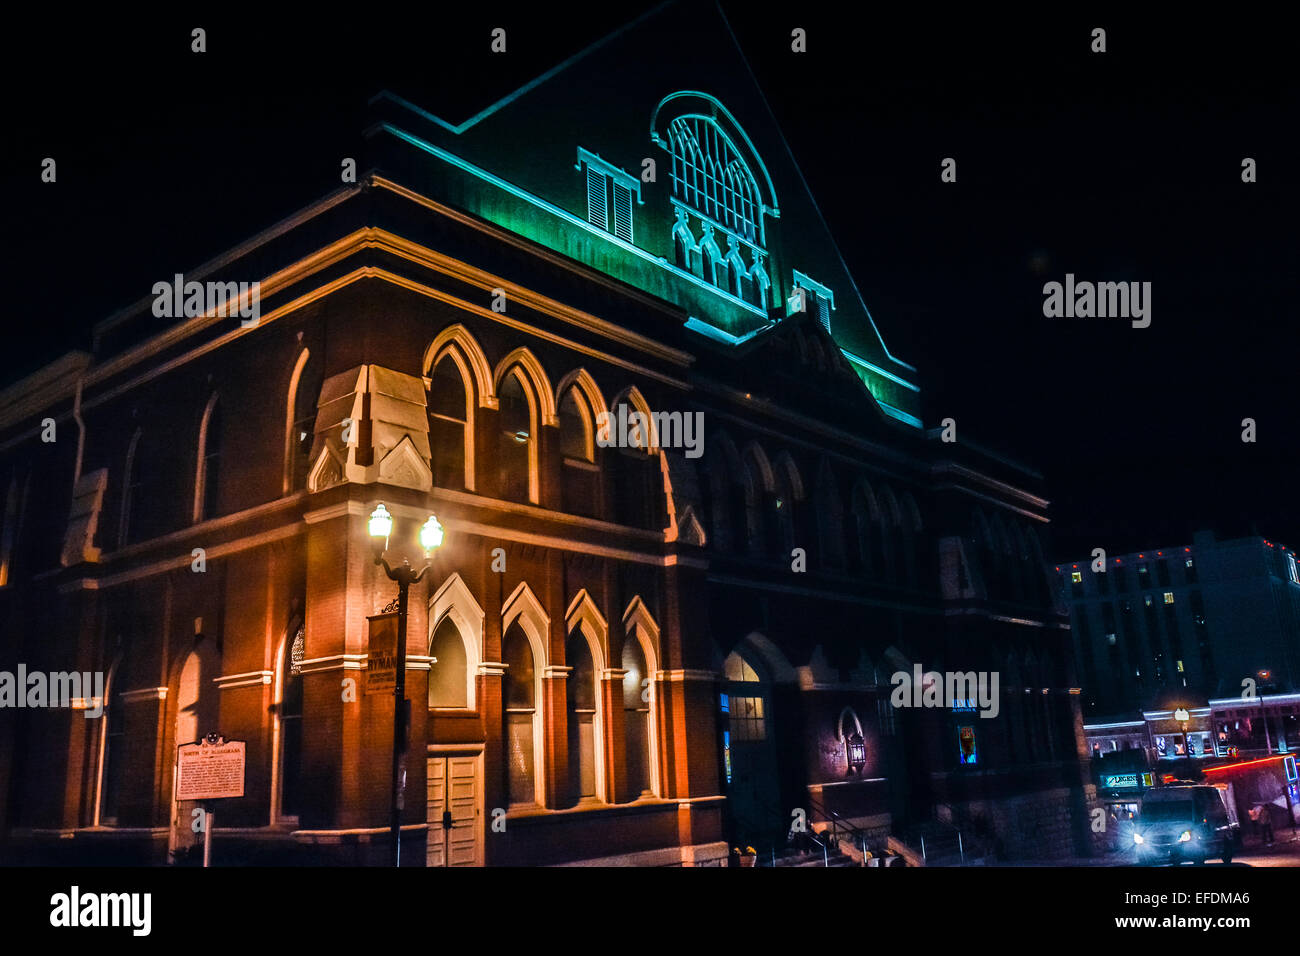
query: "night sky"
1123, 166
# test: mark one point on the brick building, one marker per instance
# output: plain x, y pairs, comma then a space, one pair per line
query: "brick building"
629, 654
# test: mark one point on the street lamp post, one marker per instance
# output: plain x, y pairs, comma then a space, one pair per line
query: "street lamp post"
381, 527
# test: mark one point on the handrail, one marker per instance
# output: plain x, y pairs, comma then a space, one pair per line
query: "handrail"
859, 835
826, 859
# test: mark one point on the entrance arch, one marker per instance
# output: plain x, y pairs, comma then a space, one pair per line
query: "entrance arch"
750, 767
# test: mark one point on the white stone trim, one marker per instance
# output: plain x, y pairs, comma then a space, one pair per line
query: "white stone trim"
144, 693
687, 674
455, 602
349, 507
246, 679
334, 662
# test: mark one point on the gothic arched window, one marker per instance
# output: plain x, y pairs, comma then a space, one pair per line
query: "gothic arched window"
208, 482
580, 475
516, 438
304, 391
522, 716
710, 176
448, 401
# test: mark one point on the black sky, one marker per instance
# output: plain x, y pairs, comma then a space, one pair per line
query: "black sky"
1116, 166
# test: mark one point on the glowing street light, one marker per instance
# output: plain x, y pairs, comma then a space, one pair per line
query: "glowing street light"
430, 534
380, 527
381, 524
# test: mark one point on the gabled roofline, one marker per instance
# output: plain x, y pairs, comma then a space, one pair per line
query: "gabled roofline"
526, 88
811, 198
775, 209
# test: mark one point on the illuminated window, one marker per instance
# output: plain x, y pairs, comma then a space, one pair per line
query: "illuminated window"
747, 721
1291, 569
966, 745
1076, 577
737, 668
1169, 597
745, 707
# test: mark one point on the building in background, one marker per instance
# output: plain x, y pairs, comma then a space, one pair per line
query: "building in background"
637, 645
1212, 619
1189, 657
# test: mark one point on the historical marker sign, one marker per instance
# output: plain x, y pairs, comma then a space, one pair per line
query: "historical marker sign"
210, 770
381, 661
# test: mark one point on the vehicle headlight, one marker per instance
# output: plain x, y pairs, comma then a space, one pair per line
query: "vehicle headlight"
1137, 838
1185, 837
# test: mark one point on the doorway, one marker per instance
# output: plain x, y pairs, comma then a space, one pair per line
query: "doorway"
455, 788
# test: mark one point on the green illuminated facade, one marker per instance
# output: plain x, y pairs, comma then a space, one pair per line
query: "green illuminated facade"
673, 178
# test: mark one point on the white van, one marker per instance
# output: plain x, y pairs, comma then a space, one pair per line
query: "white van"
1193, 823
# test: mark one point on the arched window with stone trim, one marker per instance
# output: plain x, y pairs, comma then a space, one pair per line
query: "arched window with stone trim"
726, 496
522, 705
579, 472
207, 481
584, 731
637, 688
113, 757
289, 712
516, 438
448, 675
640, 657
710, 175
455, 642
300, 419
759, 501
449, 402
635, 480
787, 505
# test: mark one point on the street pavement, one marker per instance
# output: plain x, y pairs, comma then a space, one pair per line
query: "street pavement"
1285, 851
